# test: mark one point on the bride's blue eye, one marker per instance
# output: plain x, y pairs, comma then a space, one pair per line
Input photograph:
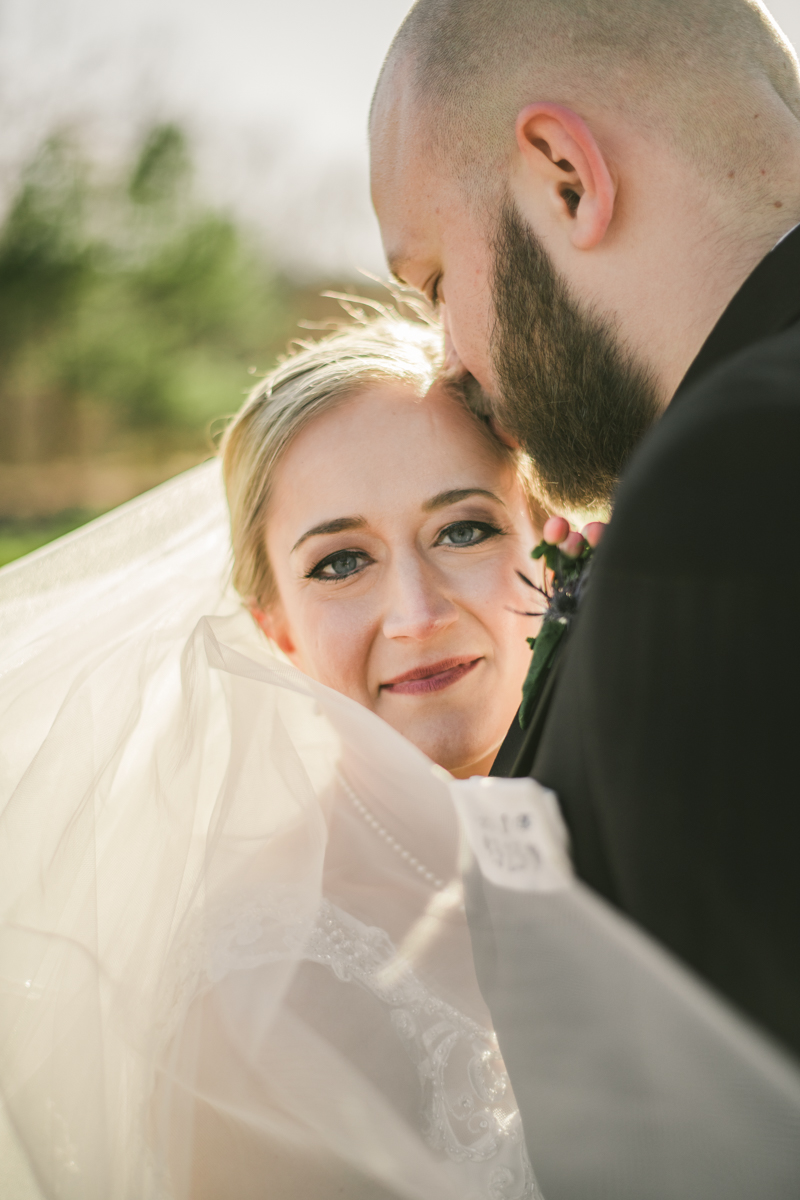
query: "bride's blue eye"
467, 533
339, 565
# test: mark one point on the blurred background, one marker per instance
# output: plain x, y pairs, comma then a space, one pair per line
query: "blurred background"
180, 180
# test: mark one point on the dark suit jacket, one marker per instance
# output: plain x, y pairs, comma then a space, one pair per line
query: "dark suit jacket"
673, 736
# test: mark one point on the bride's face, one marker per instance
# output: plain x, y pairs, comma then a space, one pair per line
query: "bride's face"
395, 533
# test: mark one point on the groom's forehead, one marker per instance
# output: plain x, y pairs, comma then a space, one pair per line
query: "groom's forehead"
416, 223
397, 141
408, 201
415, 195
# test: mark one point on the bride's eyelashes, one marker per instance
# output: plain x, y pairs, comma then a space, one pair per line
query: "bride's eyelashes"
468, 533
344, 564
341, 564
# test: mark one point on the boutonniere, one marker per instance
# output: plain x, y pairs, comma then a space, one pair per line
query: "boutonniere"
567, 559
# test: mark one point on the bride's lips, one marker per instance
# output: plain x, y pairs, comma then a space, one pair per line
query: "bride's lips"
431, 678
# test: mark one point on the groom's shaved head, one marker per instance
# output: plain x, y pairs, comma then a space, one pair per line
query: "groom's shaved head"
685, 69
581, 186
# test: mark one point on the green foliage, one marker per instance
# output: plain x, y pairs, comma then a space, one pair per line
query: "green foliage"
544, 651
566, 569
44, 260
162, 167
568, 577
126, 310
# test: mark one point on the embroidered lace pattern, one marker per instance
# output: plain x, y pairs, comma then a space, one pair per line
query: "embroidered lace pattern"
467, 1108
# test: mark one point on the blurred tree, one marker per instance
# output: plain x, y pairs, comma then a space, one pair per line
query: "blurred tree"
163, 167
45, 266
130, 313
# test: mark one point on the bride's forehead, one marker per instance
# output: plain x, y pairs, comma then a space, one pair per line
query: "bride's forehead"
387, 442
382, 412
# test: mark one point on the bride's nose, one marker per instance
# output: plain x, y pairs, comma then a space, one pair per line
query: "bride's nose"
417, 605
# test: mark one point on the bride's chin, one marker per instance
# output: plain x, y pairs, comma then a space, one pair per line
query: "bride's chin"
447, 743
474, 762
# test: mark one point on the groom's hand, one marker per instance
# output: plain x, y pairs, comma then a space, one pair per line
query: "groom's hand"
557, 532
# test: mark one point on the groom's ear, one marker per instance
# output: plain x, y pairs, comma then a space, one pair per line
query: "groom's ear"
562, 176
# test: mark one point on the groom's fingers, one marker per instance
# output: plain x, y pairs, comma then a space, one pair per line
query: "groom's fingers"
593, 532
573, 545
556, 529
556, 532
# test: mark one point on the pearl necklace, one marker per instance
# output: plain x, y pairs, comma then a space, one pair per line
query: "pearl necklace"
387, 837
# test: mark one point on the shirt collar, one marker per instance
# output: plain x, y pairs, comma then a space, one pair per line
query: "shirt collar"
767, 303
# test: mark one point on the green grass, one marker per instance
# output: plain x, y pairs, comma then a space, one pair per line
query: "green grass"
20, 536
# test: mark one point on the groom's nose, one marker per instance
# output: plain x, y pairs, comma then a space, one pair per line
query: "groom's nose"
417, 606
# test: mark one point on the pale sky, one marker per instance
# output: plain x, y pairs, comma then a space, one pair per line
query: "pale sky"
274, 92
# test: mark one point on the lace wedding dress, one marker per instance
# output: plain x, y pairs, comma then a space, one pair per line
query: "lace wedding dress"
234, 959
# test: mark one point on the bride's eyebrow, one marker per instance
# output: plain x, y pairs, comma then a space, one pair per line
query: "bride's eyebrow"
452, 497
339, 525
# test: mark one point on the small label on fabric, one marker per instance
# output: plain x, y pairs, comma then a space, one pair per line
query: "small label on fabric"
515, 830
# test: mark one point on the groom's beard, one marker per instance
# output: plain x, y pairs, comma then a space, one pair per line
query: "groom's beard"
569, 393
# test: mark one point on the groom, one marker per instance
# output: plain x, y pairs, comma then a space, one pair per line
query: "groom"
603, 199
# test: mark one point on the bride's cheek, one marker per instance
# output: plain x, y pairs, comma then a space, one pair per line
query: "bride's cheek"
339, 647
490, 584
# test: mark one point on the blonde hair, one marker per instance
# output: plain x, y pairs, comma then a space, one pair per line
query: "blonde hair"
307, 384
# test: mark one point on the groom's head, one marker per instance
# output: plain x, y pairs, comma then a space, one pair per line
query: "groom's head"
582, 185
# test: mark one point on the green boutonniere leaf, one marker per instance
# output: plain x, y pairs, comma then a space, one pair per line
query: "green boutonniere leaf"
544, 649
565, 569
561, 595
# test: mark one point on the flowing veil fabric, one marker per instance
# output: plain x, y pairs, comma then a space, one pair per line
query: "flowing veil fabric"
634, 1079
216, 979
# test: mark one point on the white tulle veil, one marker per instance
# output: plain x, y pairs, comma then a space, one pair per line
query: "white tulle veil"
219, 979
189, 897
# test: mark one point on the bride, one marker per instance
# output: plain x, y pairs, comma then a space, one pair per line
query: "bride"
234, 957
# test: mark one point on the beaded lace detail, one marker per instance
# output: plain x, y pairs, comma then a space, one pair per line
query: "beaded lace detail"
467, 1108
